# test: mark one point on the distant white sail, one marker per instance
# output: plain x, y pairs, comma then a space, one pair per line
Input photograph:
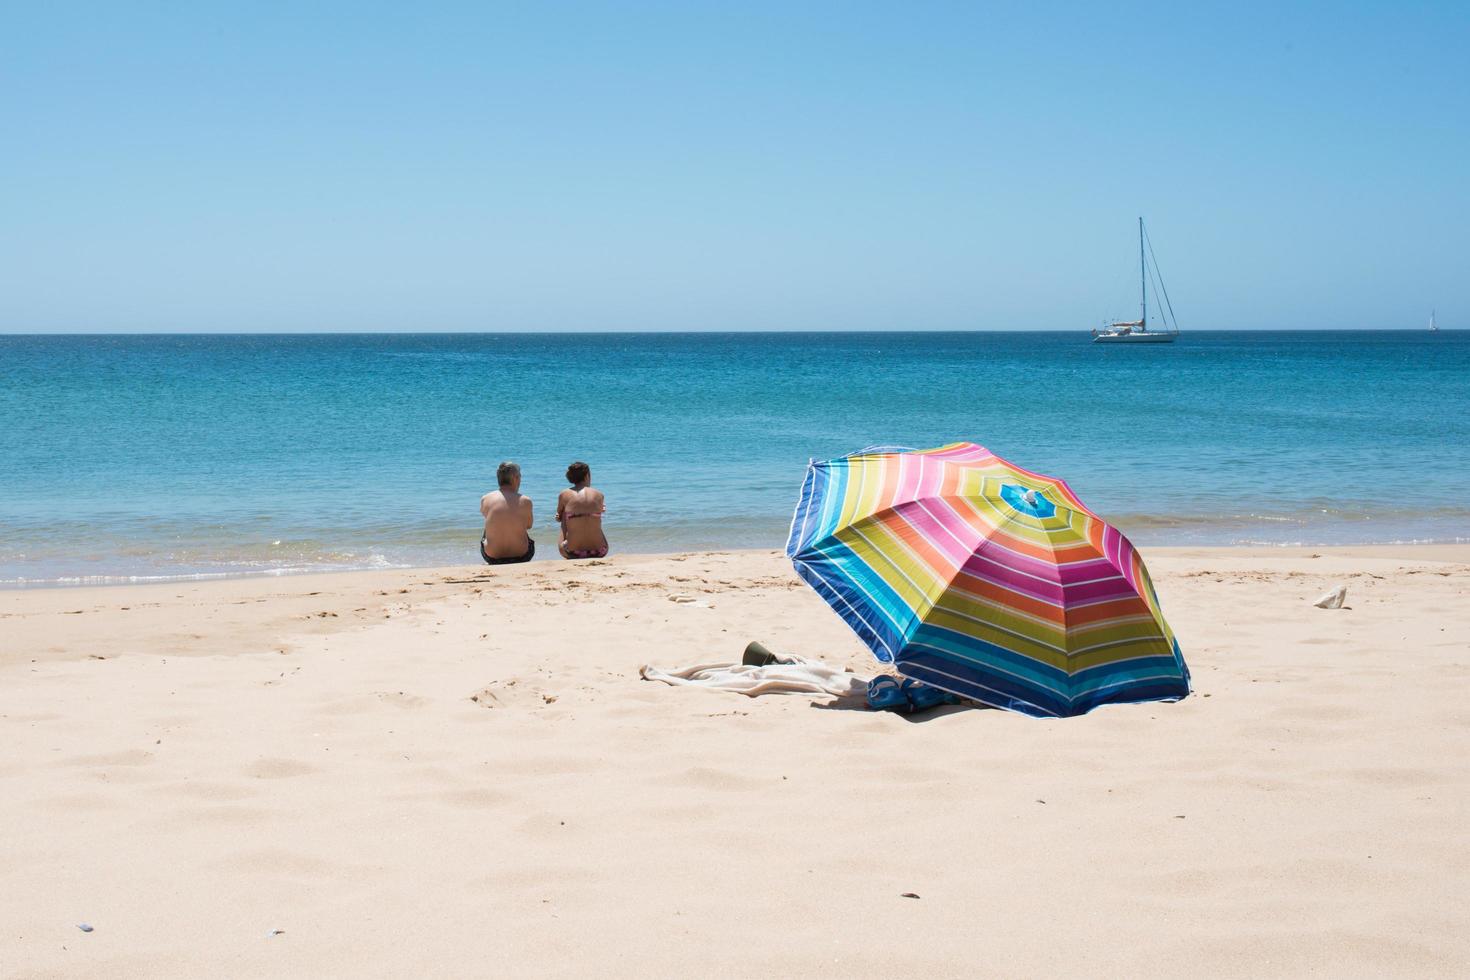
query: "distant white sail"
1137, 331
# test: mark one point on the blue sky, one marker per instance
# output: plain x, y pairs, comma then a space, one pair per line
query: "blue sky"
682, 166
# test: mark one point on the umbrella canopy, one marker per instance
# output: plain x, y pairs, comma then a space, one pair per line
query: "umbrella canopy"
984, 579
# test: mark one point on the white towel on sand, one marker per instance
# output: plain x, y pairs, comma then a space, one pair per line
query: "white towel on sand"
798, 675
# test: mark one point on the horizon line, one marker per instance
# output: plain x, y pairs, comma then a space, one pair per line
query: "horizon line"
682, 333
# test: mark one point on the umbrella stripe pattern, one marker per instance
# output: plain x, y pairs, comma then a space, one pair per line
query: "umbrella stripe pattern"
979, 577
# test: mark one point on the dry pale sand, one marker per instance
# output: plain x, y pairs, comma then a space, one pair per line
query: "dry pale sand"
458, 773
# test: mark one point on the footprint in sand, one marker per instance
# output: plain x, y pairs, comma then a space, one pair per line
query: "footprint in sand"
512, 693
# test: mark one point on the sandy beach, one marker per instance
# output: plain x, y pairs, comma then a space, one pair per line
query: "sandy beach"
458, 771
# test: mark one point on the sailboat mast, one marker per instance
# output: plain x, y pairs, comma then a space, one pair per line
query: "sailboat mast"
1142, 278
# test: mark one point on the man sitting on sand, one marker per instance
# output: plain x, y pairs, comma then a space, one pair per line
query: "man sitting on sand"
579, 511
507, 520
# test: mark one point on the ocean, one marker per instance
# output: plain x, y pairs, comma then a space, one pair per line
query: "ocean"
138, 458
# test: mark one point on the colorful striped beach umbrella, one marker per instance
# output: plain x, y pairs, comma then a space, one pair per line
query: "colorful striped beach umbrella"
971, 574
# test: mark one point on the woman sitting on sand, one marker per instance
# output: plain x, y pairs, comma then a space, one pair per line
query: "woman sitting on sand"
579, 511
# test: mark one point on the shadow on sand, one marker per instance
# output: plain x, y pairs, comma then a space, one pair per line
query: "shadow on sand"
916, 718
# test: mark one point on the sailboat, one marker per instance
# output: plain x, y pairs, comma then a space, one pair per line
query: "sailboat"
1137, 331
1433, 327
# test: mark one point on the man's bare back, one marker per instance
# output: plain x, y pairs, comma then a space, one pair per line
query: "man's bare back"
508, 519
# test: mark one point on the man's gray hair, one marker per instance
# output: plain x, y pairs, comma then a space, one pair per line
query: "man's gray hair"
507, 472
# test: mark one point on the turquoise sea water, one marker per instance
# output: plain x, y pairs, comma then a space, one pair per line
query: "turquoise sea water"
134, 457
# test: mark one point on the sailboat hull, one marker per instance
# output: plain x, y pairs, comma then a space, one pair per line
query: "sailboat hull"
1134, 338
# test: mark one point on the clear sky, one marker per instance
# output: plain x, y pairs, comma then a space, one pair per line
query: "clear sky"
260, 166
